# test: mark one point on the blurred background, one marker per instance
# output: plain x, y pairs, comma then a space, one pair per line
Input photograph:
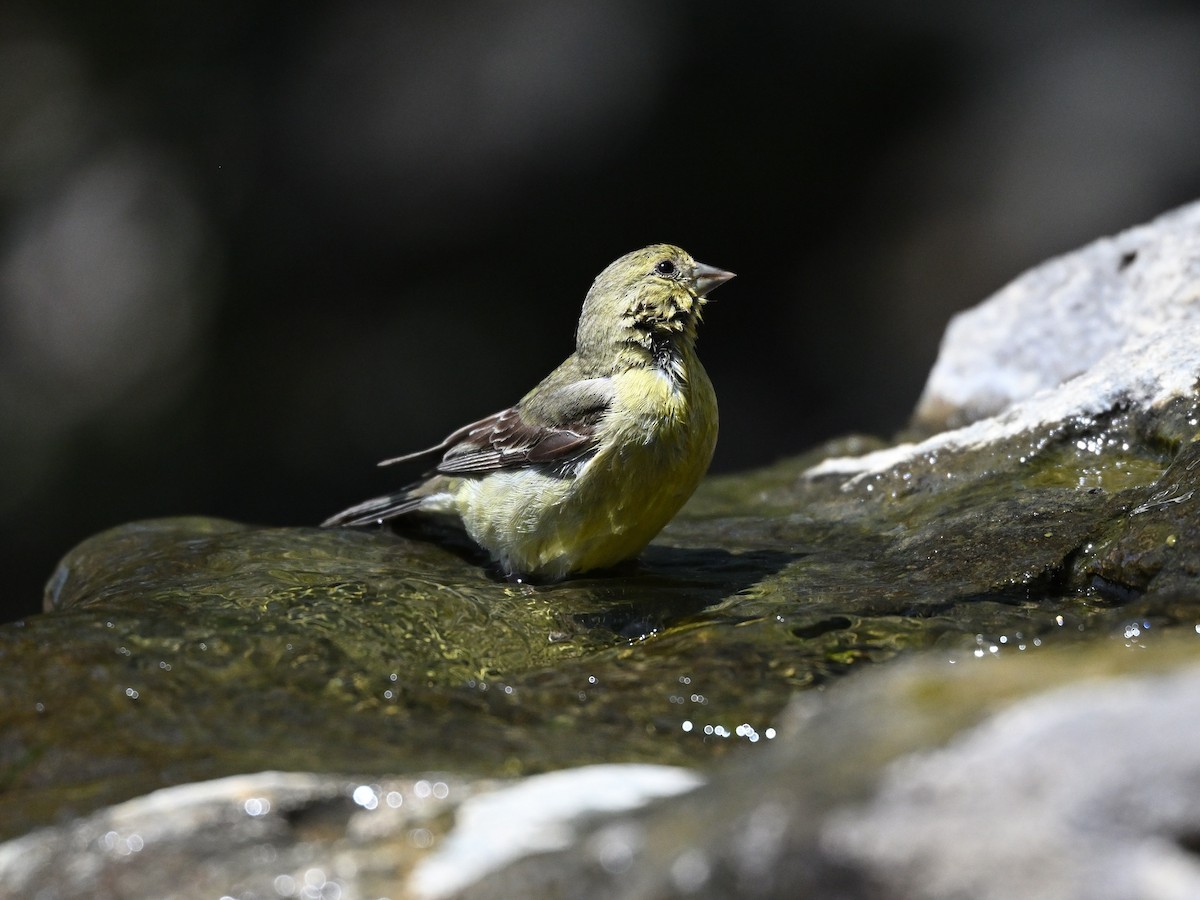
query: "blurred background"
248, 249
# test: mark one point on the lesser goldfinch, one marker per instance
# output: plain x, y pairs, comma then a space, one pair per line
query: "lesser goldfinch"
591, 464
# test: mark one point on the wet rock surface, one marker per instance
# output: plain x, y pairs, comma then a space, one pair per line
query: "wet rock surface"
1018, 549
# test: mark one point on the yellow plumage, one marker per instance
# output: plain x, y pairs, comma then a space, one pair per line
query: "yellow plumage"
594, 461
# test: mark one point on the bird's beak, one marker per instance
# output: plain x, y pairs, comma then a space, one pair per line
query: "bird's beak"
707, 278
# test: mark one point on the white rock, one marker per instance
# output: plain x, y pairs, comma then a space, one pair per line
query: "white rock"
537, 815
1079, 793
1116, 322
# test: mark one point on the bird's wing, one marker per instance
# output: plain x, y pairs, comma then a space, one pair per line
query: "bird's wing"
552, 423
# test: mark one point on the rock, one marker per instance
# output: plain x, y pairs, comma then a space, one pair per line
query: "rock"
916, 780
1057, 797
1116, 321
923, 781
283, 834
1111, 328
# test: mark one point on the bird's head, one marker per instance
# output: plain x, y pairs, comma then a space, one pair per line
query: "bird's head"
649, 298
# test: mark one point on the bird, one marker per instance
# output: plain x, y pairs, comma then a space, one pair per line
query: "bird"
593, 462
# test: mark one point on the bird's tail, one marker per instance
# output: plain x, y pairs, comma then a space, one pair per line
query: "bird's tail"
377, 509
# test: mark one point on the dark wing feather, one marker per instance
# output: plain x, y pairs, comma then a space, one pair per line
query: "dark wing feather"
551, 425
375, 510
512, 442
449, 441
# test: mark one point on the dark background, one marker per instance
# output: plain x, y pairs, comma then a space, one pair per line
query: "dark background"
248, 249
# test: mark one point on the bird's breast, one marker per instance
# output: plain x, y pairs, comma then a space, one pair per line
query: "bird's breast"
663, 418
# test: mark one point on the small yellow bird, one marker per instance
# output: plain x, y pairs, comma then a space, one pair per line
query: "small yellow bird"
591, 464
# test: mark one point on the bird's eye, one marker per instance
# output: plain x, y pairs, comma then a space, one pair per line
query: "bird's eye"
666, 267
